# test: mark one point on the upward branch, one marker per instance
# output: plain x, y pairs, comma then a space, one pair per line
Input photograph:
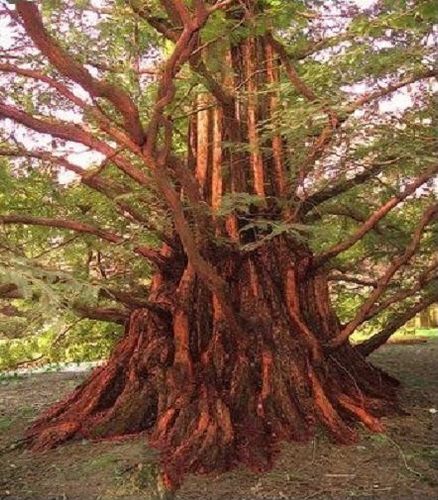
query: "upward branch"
429, 215
371, 222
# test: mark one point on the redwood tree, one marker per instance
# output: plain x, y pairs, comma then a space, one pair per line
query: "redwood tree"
232, 131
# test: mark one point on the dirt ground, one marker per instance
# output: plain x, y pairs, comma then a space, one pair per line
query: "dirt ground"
401, 463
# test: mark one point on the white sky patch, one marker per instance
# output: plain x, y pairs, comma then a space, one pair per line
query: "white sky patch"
66, 176
83, 159
6, 38
365, 4
400, 101
68, 116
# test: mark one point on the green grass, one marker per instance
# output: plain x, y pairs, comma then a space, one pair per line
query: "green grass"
427, 332
103, 461
404, 333
5, 423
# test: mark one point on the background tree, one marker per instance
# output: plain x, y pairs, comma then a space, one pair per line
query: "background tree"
228, 150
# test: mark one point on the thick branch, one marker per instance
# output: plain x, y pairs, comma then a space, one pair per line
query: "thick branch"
74, 133
72, 225
58, 129
68, 66
105, 124
352, 279
111, 314
131, 301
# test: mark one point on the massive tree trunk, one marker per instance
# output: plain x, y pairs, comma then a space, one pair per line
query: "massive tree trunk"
211, 397
212, 391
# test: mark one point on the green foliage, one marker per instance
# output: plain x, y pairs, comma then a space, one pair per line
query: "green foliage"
60, 343
270, 229
239, 202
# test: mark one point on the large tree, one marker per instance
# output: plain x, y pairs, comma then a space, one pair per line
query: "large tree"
230, 151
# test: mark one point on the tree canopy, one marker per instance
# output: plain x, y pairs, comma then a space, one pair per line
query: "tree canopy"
82, 216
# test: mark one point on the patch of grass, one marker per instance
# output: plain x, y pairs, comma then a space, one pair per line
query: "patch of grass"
8, 377
427, 332
147, 478
5, 423
27, 411
104, 464
379, 439
430, 454
141, 480
103, 461
402, 334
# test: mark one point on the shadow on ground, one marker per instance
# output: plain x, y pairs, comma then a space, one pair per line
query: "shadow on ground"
401, 463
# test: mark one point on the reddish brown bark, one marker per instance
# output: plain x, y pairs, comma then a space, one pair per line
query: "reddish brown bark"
209, 397
228, 361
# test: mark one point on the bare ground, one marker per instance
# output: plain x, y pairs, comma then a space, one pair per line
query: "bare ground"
401, 463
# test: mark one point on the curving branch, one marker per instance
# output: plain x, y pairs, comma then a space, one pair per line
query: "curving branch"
128, 301
172, 31
344, 185
62, 89
186, 43
69, 67
301, 87
104, 123
80, 227
391, 88
58, 129
108, 188
426, 277
73, 133
71, 225
335, 121
112, 314
352, 279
